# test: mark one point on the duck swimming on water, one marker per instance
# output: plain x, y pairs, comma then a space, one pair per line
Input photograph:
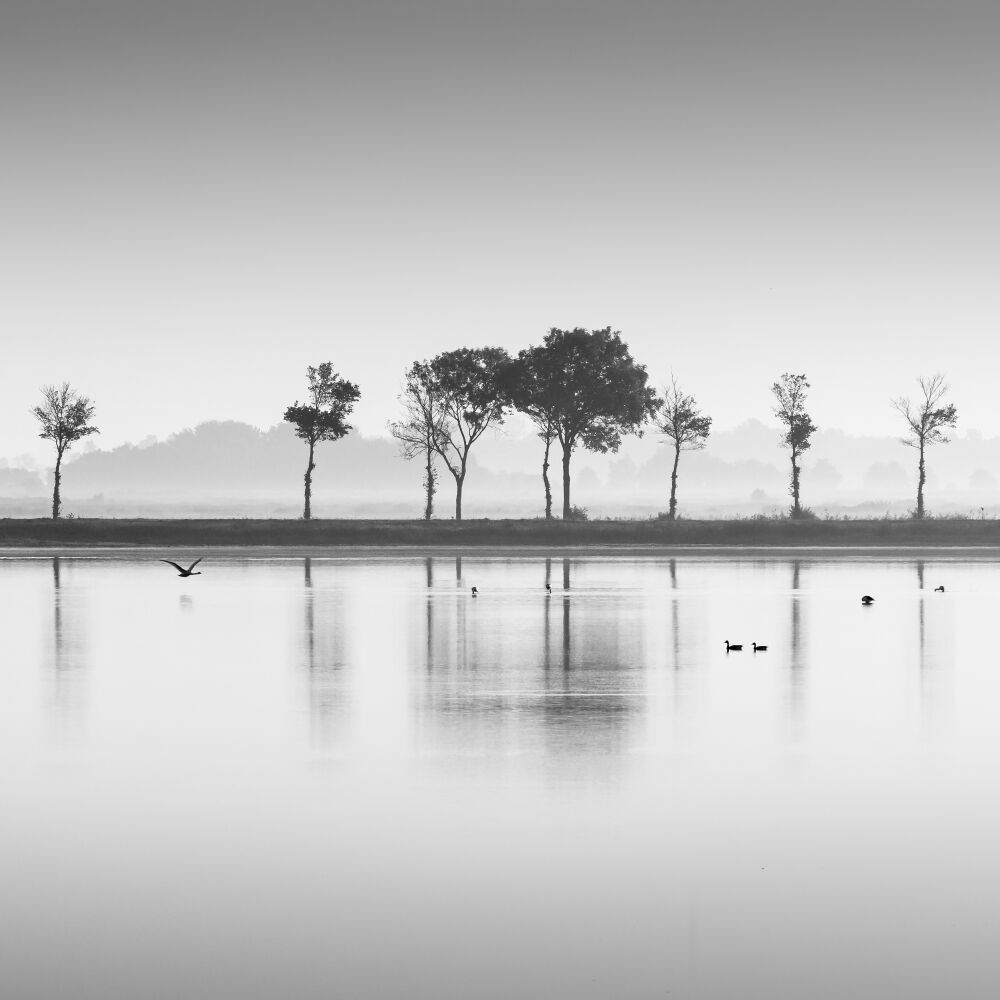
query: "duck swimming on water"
867, 599
732, 647
759, 649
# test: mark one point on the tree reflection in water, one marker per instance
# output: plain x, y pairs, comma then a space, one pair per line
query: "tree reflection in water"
936, 646
496, 676
69, 675
324, 645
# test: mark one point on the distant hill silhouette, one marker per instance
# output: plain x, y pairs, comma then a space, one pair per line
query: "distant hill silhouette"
21, 483
229, 458
744, 466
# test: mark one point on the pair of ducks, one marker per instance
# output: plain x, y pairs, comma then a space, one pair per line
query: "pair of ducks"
548, 590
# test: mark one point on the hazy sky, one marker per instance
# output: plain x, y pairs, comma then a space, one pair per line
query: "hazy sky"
201, 199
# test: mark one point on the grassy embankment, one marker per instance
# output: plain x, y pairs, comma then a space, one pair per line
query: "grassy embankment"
778, 532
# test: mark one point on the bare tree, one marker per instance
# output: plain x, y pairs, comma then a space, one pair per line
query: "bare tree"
65, 417
791, 411
680, 420
548, 432
422, 426
926, 421
323, 417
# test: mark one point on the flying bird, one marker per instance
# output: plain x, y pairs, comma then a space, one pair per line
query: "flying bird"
181, 570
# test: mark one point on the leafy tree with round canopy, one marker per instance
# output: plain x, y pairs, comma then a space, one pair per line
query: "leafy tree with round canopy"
323, 417
65, 417
926, 420
468, 386
586, 386
529, 379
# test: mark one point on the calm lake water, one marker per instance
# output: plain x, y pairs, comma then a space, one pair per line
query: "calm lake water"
348, 778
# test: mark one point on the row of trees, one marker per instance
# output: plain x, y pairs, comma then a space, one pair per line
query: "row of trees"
579, 388
928, 419
583, 389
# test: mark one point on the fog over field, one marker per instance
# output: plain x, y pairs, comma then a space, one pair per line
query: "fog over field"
233, 468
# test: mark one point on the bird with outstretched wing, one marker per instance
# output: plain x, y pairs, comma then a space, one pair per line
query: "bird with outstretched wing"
181, 570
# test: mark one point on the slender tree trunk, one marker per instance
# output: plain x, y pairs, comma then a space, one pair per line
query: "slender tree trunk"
57, 479
459, 483
307, 510
921, 479
545, 479
672, 514
567, 452
796, 509
430, 483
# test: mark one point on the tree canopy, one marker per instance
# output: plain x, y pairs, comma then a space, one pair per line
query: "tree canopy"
682, 423
421, 427
790, 393
927, 420
330, 400
468, 386
529, 383
586, 385
65, 417
323, 417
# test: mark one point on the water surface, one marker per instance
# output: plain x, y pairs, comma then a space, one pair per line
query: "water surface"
349, 778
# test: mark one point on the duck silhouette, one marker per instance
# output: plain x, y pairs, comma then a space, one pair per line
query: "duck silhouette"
939, 590
759, 649
475, 591
548, 589
181, 570
867, 599
732, 647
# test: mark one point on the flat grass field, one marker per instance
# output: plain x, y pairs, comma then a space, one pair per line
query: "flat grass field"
499, 534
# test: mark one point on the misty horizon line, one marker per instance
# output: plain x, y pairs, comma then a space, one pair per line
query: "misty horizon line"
249, 471
31, 462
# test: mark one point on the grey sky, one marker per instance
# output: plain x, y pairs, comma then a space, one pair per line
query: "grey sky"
201, 199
